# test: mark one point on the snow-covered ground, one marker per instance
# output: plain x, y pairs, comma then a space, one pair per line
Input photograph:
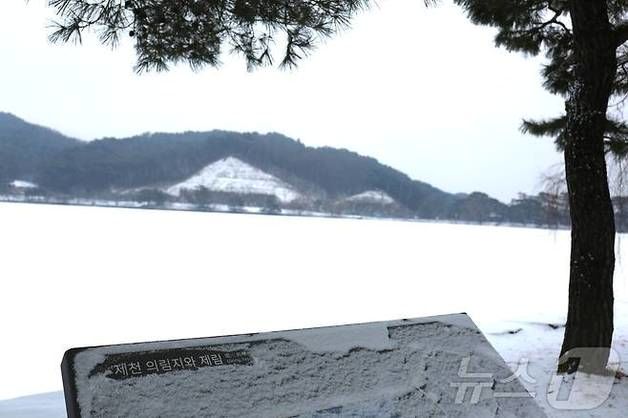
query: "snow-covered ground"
78, 276
23, 184
233, 175
46, 405
372, 196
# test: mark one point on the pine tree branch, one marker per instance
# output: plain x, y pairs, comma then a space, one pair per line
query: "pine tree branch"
541, 26
547, 127
557, 13
196, 31
621, 33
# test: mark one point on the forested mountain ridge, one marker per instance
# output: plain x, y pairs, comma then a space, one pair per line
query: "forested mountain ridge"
25, 147
145, 167
160, 158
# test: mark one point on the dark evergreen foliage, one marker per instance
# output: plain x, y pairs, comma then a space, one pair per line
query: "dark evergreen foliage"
480, 208
542, 26
197, 31
203, 196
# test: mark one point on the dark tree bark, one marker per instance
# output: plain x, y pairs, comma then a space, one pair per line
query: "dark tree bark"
590, 317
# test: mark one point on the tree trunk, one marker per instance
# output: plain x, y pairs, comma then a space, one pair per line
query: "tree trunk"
590, 318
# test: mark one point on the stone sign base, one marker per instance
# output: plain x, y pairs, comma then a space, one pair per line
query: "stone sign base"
430, 367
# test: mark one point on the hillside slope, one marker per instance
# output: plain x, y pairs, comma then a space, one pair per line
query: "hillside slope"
157, 159
25, 147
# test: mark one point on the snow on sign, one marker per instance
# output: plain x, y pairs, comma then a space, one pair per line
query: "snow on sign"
430, 367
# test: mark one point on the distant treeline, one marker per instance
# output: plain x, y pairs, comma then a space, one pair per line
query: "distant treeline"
140, 167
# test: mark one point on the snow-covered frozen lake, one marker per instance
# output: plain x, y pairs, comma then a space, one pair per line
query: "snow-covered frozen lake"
81, 276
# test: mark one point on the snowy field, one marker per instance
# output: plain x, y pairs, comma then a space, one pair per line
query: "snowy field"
78, 276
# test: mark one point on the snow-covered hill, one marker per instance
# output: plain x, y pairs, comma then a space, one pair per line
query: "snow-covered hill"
233, 175
372, 196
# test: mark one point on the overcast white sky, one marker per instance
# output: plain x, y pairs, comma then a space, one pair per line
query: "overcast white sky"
422, 90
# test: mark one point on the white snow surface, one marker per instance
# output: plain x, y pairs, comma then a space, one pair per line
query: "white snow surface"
46, 405
233, 175
23, 184
372, 196
82, 276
